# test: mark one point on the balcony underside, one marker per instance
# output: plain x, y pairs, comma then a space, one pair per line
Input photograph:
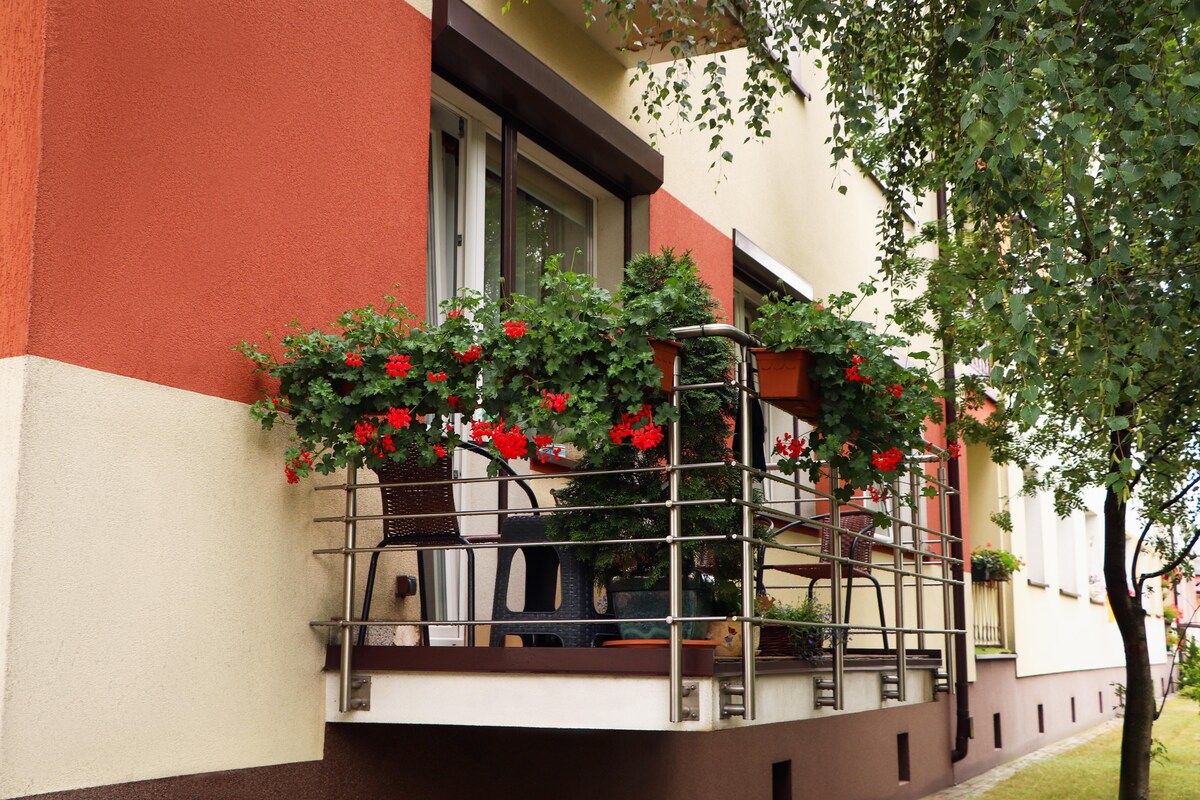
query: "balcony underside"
600, 689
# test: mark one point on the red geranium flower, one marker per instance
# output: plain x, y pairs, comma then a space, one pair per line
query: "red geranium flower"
398, 366
515, 328
353, 360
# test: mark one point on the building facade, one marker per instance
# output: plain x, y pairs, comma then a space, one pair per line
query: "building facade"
179, 179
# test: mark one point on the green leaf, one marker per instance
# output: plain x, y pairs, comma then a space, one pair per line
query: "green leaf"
1142, 72
1171, 178
1117, 423
981, 131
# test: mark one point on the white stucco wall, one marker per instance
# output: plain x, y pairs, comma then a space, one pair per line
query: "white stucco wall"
160, 588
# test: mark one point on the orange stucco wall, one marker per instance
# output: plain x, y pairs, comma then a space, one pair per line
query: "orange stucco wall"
215, 169
21, 38
672, 224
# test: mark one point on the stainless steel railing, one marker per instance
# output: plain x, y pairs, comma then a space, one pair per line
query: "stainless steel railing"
920, 552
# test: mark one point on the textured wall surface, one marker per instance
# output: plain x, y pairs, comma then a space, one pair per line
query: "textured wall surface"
21, 41
212, 174
672, 224
161, 587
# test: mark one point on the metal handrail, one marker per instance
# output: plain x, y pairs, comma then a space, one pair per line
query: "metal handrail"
916, 554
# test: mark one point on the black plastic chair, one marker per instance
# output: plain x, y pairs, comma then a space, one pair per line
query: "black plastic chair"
543, 565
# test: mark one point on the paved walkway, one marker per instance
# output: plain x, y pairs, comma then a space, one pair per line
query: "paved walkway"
985, 782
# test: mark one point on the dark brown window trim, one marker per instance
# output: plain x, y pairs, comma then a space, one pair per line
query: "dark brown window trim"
478, 58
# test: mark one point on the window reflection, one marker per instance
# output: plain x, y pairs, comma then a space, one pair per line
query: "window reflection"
552, 218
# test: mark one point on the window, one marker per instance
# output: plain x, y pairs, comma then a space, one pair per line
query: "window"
557, 210
1035, 545
1068, 562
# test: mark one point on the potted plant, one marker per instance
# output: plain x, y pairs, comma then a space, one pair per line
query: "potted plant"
662, 291
993, 564
869, 411
378, 386
371, 389
804, 642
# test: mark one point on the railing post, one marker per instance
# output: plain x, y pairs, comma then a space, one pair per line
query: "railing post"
347, 653
947, 572
748, 610
843, 640
898, 562
918, 544
675, 513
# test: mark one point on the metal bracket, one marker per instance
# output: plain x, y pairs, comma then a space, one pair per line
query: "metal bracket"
729, 690
941, 683
360, 692
691, 700
824, 693
889, 687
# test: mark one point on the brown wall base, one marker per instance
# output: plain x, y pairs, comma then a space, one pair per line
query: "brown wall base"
850, 757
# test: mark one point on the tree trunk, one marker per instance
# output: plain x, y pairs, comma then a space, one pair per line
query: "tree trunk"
1139, 685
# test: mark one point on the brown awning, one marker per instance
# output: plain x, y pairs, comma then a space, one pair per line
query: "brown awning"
478, 58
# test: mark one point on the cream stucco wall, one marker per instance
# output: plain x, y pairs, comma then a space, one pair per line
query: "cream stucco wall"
1054, 631
781, 192
160, 589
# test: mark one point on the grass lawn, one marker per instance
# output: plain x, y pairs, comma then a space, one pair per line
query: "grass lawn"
1090, 771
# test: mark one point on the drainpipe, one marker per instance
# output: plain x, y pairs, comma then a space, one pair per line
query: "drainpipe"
961, 698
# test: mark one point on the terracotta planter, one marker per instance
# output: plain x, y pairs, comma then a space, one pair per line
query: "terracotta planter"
665, 351
785, 381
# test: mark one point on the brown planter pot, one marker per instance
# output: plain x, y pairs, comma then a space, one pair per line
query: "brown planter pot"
665, 351
785, 381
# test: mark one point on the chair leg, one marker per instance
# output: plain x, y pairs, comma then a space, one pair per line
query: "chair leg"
366, 608
470, 597
849, 599
882, 618
811, 584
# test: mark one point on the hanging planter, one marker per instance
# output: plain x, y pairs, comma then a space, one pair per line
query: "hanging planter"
665, 351
785, 381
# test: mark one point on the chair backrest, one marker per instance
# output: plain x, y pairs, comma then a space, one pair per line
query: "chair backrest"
437, 498
853, 547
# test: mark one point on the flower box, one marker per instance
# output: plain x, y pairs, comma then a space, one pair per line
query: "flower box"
665, 351
785, 381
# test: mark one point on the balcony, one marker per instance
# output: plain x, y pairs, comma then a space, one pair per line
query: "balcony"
886, 640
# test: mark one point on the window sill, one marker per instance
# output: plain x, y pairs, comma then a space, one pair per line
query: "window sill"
1065, 593
1038, 584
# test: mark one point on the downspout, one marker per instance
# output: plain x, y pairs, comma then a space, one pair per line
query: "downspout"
962, 700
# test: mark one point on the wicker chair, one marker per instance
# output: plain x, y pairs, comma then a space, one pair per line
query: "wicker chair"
401, 501
856, 548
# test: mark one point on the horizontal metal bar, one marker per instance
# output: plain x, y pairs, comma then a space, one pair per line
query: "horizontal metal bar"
727, 331
532, 511
358, 623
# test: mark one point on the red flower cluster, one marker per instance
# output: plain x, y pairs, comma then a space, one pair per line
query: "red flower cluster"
515, 328
852, 372
452, 400
279, 403
511, 443
386, 445
895, 389
434, 377
788, 447
889, 460
289, 469
878, 495
455, 314
399, 417
441, 451
353, 360
955, 449
555, 402
398, 366
473, 353
364, 432
644, 437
